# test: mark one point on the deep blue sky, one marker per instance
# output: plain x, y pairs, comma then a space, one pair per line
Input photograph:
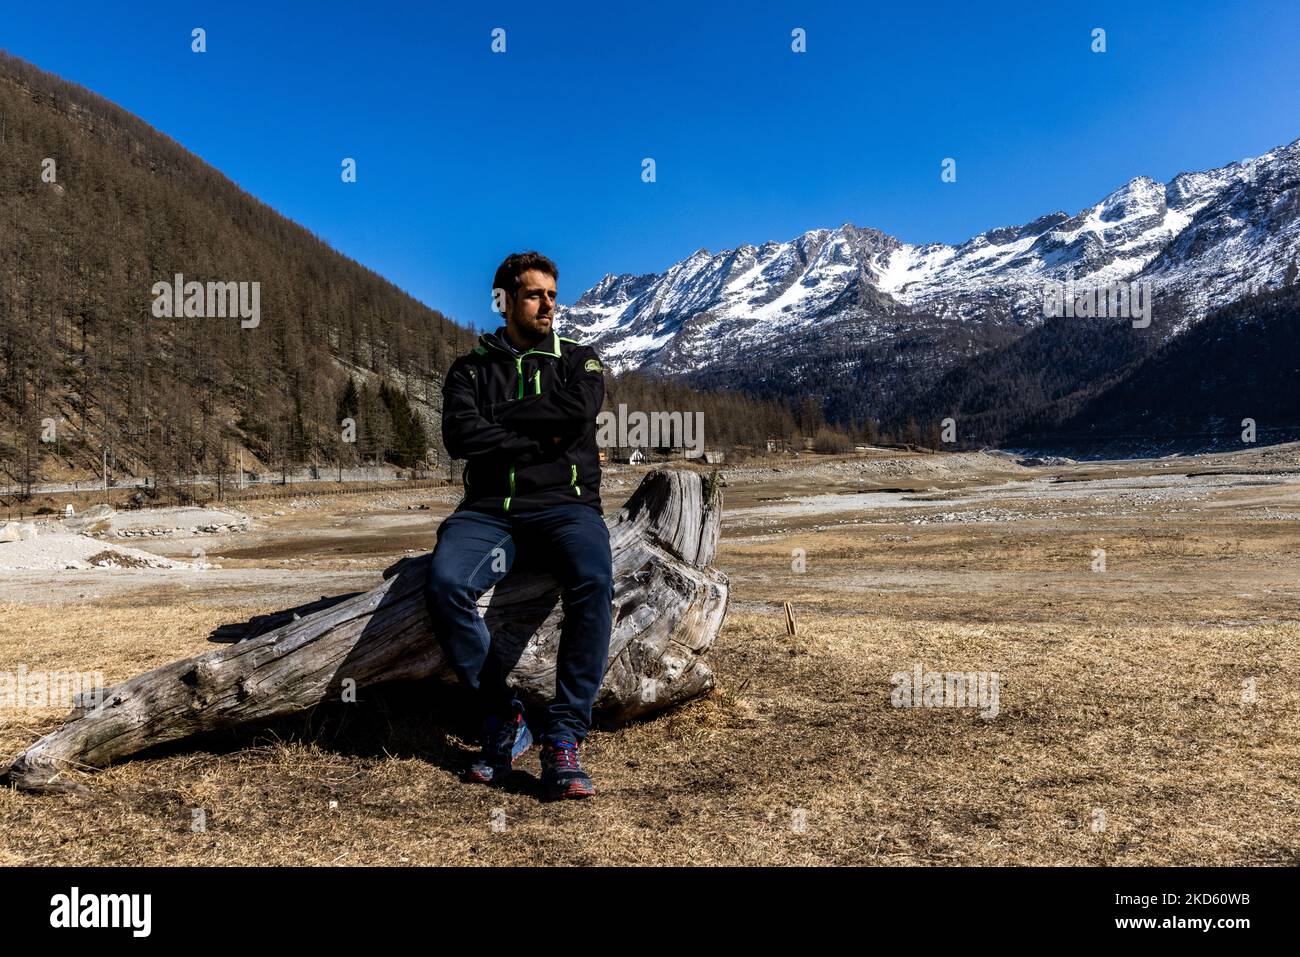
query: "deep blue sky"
465, 156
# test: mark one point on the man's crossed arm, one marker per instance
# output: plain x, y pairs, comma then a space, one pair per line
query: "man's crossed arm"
565, 411
466, 432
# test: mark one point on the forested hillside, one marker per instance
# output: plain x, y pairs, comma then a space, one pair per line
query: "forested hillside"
1196, 393
96, 207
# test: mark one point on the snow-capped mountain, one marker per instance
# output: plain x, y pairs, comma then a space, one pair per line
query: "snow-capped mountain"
1202, 239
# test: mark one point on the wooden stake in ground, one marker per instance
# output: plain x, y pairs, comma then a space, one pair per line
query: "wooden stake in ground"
669, 604
789, 619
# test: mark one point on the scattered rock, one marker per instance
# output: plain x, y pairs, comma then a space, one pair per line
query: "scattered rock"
1039, 461
17, 532
57, 549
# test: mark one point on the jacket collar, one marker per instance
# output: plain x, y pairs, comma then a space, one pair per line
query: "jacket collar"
550, 346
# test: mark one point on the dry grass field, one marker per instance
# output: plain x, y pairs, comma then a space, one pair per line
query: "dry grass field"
1147, 714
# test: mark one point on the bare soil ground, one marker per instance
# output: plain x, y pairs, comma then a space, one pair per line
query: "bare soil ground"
1148, 712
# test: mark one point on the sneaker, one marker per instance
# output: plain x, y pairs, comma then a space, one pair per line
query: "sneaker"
562, 775
504, 740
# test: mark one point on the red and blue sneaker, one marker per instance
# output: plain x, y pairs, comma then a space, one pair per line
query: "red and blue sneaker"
562, 774
504, 740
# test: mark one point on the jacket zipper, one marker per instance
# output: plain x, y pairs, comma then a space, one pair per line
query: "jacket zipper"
519, 377
573, 480
537, 388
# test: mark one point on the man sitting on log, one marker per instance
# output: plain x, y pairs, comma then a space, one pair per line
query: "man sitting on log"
521, 409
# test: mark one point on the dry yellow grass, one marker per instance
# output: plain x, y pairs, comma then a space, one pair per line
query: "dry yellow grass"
1120, 692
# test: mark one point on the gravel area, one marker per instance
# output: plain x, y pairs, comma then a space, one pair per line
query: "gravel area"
53, 548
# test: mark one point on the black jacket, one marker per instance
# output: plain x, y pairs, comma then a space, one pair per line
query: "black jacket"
526, 424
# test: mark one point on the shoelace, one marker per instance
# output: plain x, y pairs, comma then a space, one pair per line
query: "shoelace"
566, 758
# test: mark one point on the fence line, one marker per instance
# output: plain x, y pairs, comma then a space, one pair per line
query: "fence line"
353, 488
256, 493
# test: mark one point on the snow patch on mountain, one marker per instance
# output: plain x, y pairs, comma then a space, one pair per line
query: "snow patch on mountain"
1206, 237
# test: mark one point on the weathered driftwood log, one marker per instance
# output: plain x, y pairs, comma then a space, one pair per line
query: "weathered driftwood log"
668, 607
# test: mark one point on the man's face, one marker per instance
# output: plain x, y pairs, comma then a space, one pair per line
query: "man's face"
530, 312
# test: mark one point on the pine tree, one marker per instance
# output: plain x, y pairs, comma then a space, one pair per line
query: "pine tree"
349, 402
409, 444
912, 432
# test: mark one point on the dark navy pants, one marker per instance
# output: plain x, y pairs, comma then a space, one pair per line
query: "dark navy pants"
474, 551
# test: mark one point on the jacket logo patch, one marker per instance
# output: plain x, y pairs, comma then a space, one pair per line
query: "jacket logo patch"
592, 365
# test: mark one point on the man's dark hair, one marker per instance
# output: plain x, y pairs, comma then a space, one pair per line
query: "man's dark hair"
516, 264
